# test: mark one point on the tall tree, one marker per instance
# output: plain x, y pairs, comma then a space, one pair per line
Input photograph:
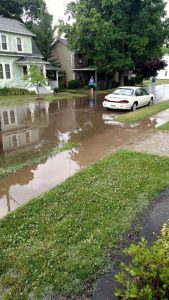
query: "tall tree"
43, 30
20, 9
11, 9
117, 34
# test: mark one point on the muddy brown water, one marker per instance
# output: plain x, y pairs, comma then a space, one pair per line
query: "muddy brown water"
29, 127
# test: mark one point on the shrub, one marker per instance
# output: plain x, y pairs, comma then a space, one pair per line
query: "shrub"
56, 90
102, 85
6, 91
147, 276
75, 84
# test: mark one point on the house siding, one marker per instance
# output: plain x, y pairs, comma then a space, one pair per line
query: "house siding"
62, 53
16, 73
16, 79
12, 42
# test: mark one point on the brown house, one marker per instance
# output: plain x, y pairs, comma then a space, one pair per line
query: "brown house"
75, 65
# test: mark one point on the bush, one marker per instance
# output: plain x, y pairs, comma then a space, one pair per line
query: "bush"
147, 276
102, 85
56, 90
75, 84
6, 91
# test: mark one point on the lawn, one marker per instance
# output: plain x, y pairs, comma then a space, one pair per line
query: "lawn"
164, 126
62, 239
143, 113
158, 82
8, 100
64, 95
11, 165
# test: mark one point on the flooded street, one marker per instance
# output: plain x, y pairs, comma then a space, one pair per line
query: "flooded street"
28, 128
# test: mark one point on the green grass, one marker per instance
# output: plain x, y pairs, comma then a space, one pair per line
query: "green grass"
64, 95
158, 82
164, 126
23, 160
143, 113
62, 239
8, 100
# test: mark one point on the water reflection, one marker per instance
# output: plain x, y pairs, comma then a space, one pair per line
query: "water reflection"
29, 128
161, 92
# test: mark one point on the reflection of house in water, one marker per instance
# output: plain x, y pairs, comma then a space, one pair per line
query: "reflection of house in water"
17, 128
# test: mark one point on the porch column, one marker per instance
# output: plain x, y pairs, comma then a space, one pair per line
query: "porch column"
44, 70
74, 76
57, 79
96, 76
28, 69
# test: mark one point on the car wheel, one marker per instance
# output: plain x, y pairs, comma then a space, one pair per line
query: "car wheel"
134, 107
150, 102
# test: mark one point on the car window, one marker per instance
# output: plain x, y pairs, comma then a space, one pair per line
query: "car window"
125, 92
144, 92
138, 92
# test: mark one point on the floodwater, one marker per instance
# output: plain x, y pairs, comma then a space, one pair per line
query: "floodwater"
161, 92
28, 128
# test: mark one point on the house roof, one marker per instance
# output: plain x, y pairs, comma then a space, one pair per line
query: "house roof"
35, 49
63, 41
88, 68
14, 26
30, 60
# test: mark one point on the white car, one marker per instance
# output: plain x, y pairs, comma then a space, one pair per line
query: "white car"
128, 97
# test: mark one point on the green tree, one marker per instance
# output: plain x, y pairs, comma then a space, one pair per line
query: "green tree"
117, 34
20, 9
44, 31
36, 77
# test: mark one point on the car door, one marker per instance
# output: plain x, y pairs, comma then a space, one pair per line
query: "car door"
139, 97
146, 96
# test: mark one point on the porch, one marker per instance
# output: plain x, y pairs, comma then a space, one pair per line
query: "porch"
84, 74
51, 72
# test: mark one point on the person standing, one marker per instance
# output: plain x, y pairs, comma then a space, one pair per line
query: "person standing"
91, 83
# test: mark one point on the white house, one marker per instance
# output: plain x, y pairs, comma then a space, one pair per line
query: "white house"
17, 52
164, 74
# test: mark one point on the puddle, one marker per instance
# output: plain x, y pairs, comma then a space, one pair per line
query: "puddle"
161, 118
32, 126
161, 92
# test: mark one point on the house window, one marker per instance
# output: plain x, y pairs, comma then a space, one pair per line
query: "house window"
166, 73
4, 42
7, 71
19, 44
5, 118
1, 72
12, 116
9, 117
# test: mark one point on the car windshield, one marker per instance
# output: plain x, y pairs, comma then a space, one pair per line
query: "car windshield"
126, 92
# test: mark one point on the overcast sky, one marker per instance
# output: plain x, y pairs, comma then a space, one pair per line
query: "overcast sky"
57, 8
